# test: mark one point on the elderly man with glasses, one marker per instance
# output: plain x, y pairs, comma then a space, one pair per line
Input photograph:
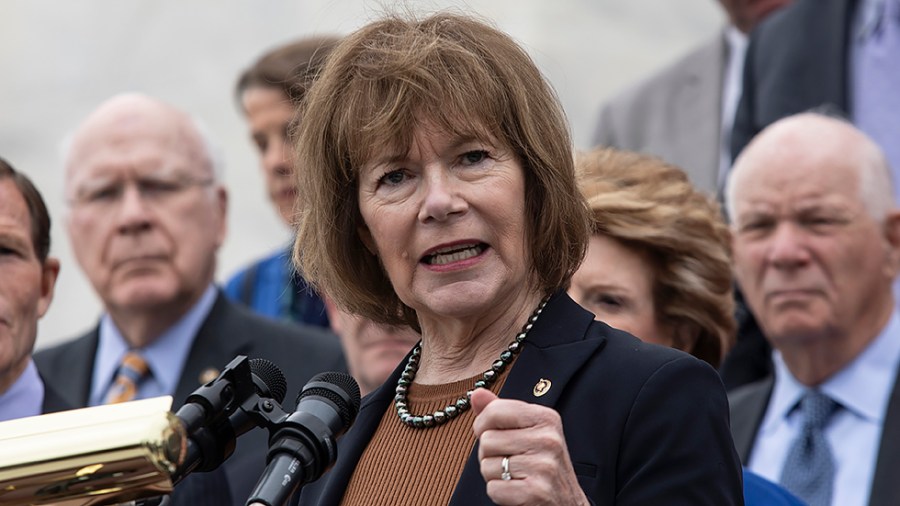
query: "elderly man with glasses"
147, 214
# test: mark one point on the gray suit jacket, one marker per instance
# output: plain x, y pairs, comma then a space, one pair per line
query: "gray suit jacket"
748, 406
229, 330
675, 114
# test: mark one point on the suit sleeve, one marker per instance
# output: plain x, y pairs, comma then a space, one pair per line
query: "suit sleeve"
676, 446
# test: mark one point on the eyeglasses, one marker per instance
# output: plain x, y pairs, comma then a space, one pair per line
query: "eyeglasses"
153, 190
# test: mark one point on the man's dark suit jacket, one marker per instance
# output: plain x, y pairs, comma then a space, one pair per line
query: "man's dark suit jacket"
229, 330
53, 401
797, 59
748, 407
644, 424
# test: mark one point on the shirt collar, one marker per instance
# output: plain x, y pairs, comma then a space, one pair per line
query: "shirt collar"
165, 356
863, 387
25, 397
737, 40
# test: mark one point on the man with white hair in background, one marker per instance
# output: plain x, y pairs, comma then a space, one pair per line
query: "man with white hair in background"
816, 250
146, 217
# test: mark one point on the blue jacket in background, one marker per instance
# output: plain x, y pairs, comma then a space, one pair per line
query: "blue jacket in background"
272, 288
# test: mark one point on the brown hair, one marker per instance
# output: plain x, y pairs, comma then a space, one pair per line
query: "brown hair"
37, 209
649, 205
379, 85
291, 67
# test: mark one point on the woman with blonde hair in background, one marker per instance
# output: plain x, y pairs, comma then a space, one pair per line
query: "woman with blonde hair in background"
658, 265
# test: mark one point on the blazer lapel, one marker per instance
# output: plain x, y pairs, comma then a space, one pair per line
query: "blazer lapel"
53, 401
748, 406
554, 351
216, 344
351, 447
885, 485
76, 372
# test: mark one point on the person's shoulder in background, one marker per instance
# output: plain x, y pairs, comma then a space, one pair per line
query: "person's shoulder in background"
249, 284
627, 121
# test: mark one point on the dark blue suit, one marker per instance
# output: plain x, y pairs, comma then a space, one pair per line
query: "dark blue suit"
797, 59
644, 424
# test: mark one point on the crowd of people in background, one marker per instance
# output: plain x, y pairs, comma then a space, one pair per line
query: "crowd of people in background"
699, 309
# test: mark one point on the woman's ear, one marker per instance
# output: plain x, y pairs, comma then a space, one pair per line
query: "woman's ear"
367, 239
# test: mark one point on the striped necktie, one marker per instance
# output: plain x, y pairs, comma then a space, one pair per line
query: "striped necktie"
132, 370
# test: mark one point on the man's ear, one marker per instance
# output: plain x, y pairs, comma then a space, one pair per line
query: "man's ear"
221, 197
891, 233
49, 274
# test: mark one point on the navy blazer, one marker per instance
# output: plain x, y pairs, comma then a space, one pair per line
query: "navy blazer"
797, 59
644, 424
229, 330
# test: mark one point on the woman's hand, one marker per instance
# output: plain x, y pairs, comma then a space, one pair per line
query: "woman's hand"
531, 437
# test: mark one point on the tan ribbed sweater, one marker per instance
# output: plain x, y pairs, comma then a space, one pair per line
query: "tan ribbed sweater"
406, 466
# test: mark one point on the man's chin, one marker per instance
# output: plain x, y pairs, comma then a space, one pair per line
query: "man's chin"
797, 330
142, 296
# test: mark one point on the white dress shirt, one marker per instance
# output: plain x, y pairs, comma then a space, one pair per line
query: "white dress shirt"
25, 397
165, 356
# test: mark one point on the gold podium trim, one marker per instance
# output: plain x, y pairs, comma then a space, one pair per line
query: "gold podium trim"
91, 456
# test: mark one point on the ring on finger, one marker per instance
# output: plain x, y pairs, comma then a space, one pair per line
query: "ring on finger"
504, 466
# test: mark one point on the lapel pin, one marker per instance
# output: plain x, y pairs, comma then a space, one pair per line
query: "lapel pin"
542, 387
208, 374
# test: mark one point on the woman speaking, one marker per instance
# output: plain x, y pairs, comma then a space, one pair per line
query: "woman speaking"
438, 191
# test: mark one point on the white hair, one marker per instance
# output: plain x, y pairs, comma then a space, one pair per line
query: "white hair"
872, 169
211, 149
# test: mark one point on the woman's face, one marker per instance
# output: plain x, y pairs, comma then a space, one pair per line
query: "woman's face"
269, 114
616, 284
447, 221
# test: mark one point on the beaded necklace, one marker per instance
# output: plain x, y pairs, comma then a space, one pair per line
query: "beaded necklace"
462, 404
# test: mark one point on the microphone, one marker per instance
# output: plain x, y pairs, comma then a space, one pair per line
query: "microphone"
215, 414
302, 445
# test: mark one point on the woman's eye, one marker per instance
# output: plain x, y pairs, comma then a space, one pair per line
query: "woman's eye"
606, 303
392, 178
473, 157
609, 300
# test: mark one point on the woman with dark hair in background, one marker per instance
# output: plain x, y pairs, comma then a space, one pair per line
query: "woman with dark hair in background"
269, 92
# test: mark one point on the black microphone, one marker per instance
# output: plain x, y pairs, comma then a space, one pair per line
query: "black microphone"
213, 415
302, 446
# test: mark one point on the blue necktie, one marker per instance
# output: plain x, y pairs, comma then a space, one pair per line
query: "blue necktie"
876, 83
809, 468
